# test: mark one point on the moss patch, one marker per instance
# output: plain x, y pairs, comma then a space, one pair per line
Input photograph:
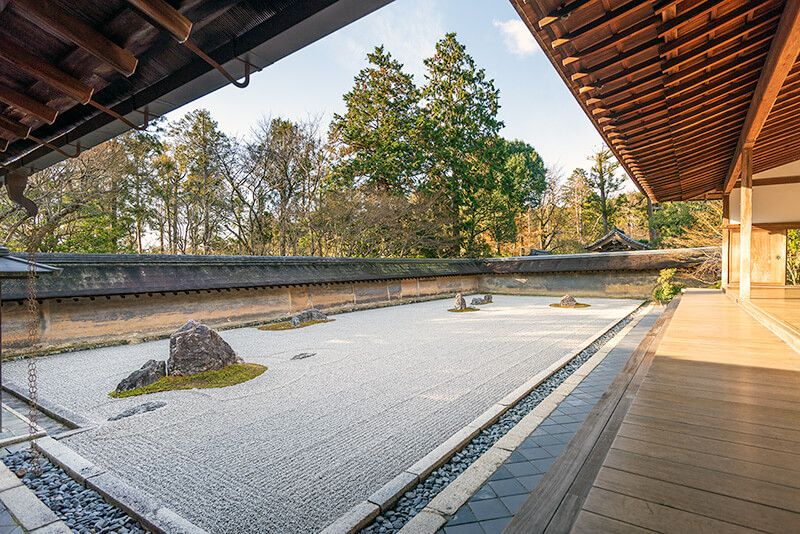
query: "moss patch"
577, 305
287, 325
467, 309
228, 376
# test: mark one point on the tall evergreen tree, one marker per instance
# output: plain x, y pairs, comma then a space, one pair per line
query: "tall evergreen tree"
464, 148
377, 138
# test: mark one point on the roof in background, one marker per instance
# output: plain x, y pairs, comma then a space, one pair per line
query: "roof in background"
678, 87
62, 61
615, 241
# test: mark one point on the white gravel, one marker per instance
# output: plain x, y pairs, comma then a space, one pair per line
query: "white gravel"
295, 448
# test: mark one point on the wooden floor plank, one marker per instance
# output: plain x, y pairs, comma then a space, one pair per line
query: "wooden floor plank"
655, 516
710, 460
743, 513
738, 487
721, 434
590, 523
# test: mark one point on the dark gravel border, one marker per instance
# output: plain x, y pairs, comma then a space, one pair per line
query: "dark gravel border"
83, 510
418, 497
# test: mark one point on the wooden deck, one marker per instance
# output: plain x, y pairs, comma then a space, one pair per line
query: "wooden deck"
704, 435
786, 310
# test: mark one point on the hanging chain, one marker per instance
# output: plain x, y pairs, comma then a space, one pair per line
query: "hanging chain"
33, 336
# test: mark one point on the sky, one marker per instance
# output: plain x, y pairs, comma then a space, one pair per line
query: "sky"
536, 105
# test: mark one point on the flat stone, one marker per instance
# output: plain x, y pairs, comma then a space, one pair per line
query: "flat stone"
355, 519
449, 500
131, 500
488, 417
70, 461
169, 521
425, 522
440, 454
26, 508
139, 409
8, 479
392, 490
59, 527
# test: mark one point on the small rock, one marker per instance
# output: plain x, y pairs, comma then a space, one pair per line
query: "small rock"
480, 301
567, 301
195, 348
151, 371
136, 410
311, 314
459, 303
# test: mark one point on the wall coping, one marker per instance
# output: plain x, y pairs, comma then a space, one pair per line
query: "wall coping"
94, 275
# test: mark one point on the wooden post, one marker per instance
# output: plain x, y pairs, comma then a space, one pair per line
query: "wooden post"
746, 223
726, 239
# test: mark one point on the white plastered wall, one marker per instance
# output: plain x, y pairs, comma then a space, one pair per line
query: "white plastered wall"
771, 203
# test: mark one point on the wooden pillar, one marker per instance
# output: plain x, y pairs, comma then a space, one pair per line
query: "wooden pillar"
726, 240
746, 223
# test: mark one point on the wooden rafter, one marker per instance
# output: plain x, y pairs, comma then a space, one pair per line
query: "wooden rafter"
782, 55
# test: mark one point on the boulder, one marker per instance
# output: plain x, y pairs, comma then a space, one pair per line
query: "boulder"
195, 348
459, 303
311, 314
149, 373
480, 301
567, 301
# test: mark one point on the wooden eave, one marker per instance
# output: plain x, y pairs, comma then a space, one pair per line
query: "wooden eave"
74, 73
675, 87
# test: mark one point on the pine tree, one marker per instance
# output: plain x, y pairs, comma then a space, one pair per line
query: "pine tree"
377, 139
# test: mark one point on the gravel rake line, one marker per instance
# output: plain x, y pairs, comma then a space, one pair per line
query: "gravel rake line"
415, 499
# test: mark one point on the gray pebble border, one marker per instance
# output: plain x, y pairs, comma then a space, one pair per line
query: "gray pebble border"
417, 498
83, 510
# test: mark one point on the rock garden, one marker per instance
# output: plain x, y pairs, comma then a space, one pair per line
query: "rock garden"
198, 359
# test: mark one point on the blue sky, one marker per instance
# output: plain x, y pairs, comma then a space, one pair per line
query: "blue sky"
536, 105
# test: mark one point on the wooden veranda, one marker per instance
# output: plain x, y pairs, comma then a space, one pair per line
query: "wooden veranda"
699, 100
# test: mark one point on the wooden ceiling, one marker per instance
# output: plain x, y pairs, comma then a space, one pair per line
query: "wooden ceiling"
670, 84
74, 73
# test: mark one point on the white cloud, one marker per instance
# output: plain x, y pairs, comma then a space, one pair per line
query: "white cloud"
517, 37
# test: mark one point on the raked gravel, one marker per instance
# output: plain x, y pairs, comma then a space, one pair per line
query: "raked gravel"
293, 449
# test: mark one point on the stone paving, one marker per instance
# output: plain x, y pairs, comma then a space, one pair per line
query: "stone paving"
493, 506
295, 448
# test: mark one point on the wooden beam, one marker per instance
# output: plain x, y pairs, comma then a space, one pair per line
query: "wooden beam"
562, 11
54, 20
782, 55
28, 105
726, 239
44, 71
165, 16
14, 128
746, 222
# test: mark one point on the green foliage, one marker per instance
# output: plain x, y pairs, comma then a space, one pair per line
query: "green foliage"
287, 325
666, 288
227, 376
378, 138
604, 182
793, 257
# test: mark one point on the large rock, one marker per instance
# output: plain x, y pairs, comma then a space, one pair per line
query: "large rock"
149, 373
459, 303
567, 301
195, 348
480, 301
311, 314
